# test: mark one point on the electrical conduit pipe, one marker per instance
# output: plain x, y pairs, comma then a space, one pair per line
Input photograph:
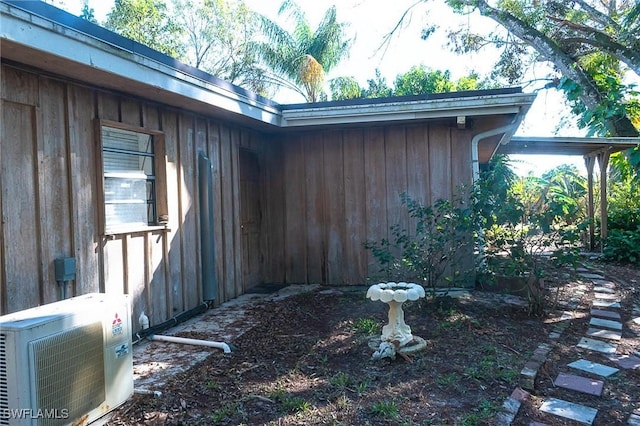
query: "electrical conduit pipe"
144, 323
184, 340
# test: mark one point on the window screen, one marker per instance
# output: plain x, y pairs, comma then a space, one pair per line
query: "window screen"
129, 178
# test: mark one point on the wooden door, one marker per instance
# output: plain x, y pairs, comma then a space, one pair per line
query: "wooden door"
250, 216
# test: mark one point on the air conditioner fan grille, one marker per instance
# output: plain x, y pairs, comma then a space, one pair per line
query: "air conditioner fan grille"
69, 372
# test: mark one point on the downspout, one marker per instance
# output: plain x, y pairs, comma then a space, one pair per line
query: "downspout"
207, 250
508, 131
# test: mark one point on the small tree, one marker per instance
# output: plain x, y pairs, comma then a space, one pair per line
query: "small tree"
432, 253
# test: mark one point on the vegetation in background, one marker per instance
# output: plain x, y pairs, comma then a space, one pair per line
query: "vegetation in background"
148, 22
299, 58
418, 80
217, 36
522, 219
88, 12
522, 226
623, 240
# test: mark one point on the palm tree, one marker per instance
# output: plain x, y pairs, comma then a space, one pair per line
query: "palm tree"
300, 59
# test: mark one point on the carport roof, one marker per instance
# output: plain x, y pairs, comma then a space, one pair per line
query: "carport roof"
565, 145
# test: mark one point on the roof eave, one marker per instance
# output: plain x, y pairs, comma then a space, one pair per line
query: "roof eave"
24, 28
415, 110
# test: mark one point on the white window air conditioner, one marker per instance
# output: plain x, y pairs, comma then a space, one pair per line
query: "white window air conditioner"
68, 362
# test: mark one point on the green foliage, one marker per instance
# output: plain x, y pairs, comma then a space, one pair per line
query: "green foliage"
367, 326
433, 252
341, 381
623, 215
344, 88
386, 409
298, 57
222, 414
485, 412
217, 36
591, 46
623, 246
377, 87
295, 404
88, 12
617, 100
526, 218
625, 166
147, 22
419, 80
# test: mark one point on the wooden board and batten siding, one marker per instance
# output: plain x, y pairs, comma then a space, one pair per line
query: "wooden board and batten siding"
330, 191
49, 186
289, 206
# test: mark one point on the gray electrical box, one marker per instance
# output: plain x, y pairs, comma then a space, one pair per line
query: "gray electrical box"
65, 268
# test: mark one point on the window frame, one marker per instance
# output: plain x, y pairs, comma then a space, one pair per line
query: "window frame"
160, 184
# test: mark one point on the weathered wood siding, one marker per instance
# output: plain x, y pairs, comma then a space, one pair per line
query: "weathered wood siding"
48, 202
330, 191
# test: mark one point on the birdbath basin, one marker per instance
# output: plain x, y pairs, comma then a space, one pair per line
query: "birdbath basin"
396, 335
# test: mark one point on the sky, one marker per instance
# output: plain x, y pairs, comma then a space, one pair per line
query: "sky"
371, 20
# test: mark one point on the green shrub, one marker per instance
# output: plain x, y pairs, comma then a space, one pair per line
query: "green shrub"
436, 253
623, 246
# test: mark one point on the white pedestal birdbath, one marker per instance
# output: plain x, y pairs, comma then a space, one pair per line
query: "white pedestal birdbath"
396, 336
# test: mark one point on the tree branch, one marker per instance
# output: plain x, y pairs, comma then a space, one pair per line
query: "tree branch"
601, 17
604, 42
590, 95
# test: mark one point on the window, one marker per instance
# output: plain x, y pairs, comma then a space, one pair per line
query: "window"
131, 182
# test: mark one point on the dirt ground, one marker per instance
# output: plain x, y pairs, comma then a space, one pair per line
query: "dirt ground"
308, 361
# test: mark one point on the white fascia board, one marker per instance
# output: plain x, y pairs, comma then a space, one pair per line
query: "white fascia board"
396, 111
41, 34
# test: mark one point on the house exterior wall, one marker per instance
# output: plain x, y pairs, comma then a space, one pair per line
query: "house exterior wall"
49, 207
322, 194
330, 191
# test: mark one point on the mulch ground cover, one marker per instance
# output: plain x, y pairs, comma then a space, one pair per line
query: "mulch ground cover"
308, 362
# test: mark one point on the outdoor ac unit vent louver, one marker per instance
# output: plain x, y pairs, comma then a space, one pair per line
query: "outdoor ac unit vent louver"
68, 362
69, 371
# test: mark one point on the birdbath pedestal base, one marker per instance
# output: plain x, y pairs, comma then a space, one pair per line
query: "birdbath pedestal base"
396, 335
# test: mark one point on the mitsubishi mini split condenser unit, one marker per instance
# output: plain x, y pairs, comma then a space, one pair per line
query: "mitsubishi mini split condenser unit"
68, 362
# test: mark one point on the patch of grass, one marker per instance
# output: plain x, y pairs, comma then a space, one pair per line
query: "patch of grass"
340, 381
295, 404
362, 387
386, 409
343, 402
486, 411
367, 326
277, 394
506, 375
448, 379
223, 414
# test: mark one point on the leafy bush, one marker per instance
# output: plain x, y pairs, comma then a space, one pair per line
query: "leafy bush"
623, 215
525, 219
432, 253
623, 246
